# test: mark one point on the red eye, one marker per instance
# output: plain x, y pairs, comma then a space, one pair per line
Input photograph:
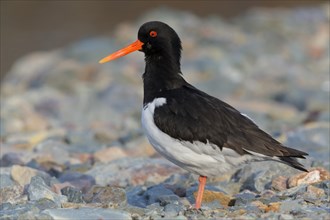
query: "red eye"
153, 34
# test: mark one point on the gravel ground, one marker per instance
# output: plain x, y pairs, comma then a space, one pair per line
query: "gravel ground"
71, 140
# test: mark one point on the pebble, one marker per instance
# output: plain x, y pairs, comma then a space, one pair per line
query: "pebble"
168, 199
258, 176
244, 197
210, 196
109, 154
86, 213
110, 196
12, 194
313, 176
38, 190
172, 210
18, 211
279, 183
137, 171
80, 181
5, 181
156, 194
74, 195
10, 159
23, 175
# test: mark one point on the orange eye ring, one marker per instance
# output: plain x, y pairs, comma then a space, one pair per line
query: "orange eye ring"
153, 34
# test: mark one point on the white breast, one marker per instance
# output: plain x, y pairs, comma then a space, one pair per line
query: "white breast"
197, 157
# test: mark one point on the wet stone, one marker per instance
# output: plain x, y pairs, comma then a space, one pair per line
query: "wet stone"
73, 194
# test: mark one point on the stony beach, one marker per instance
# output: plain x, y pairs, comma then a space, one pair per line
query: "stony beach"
72, 146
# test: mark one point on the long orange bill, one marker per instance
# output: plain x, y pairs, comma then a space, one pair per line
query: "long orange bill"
137, 45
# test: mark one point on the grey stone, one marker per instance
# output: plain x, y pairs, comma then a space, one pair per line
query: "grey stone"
39, 190
73, 194
168, 199
45, 203
138, 171
83, 142
286, 217
244, 197
323, 185
15, 211
86, 213
13, 194
155, 210
154, 193
79, 180
10, 159
54, 148
294, 192
135, 196
212, 205
111, 196
257, 176
5, 181
290, 205
172, 210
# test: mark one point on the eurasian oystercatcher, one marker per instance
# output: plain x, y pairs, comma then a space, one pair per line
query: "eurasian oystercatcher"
194, 130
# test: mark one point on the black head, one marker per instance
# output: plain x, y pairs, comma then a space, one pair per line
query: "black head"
160, 41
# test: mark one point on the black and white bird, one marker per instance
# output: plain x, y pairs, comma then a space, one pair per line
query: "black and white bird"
192, 129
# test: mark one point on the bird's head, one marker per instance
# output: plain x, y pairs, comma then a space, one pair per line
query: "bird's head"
156, 39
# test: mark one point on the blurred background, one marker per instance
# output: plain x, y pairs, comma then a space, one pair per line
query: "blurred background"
28, 25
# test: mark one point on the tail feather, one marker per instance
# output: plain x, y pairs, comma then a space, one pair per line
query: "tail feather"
290, 152
293, 162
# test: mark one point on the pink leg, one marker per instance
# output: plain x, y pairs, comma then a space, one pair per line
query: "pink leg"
202, 182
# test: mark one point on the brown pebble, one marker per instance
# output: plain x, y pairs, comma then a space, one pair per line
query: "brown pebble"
210, 196
315, 191
279, 183
109, 154
314, 175
22, 175
273, 207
